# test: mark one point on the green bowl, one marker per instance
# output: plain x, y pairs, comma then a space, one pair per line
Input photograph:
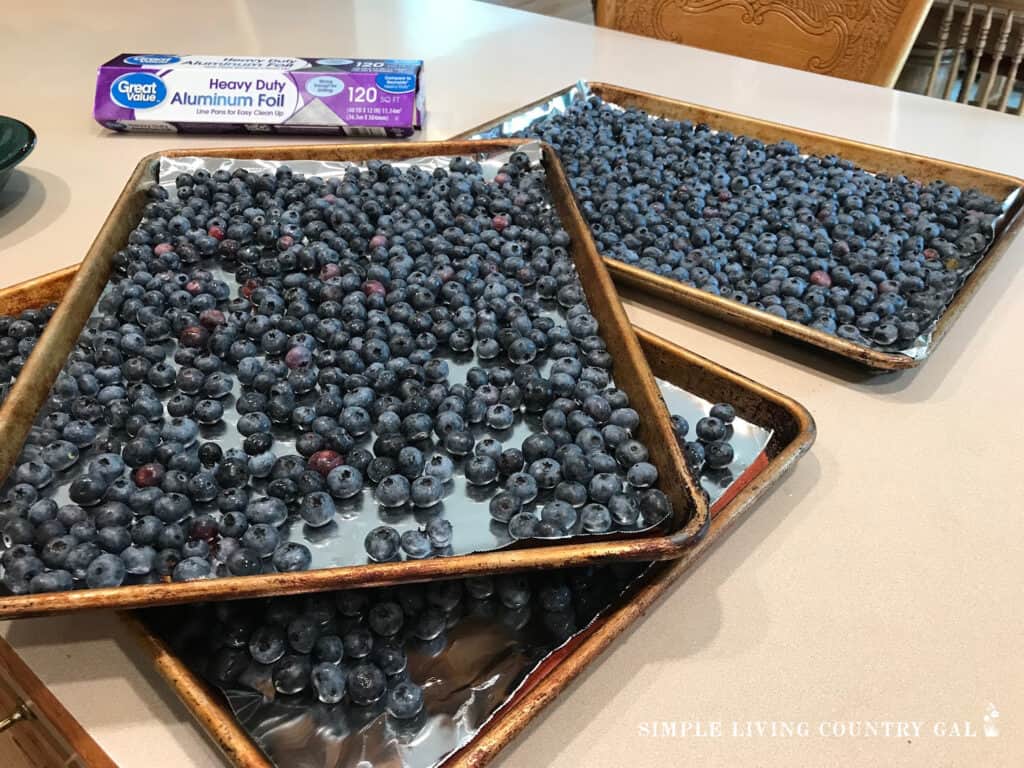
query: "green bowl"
17, 141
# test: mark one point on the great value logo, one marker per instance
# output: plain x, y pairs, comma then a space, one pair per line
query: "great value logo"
151, 59
138, 90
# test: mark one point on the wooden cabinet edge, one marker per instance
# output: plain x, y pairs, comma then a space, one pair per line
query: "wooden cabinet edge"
46, 710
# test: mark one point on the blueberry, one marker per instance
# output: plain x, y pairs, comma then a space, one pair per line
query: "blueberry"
718, 454
426, 491
262, 539
302, 633
710, 429
499, 416
80, 433
624, 509
481, 470
523, 486
317, 509
138, 560
270, 511
510, 461
344, 481
439, 466
170, 507
571, 492
603, 486
328, 682
380, 468
208, 411
358, 642
386, 619
596, 518
382, 543
655, 505
631, 452
55, 552
245, 562
439, 531
514, 590
430, 624
292, 556
393, 491
555, 596
79, 558
106, 570
34, 473
171, 537
18, 576
694, 452
366, 684
503, 506
523, 525
723, 412
192, 569
328, 648
390, 658
268, 644
60, 455
642, 475
114, 538
560, 514
109, 466
43, 510
51, 581
405, 700
146, 529
459, 443
291, 674
416, 544
547, 472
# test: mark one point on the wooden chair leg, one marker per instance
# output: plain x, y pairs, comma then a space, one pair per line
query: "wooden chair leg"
1011, 76
979, 51
997, 58
961, 47
944, 28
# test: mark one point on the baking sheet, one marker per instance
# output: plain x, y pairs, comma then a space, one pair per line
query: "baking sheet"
340, 543
518, 124
487, 654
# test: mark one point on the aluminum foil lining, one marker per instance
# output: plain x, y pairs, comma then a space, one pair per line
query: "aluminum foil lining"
515, 125
469, 675
490, 164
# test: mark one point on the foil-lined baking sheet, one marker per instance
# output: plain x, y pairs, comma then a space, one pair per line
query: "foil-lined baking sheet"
465, 506
517, 125
488, 653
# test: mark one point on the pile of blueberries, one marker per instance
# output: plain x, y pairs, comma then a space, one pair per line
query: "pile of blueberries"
18, 337
354, 647
322, 320
870, 258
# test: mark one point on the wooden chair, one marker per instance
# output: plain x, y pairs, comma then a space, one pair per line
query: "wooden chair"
865, 40
983, 65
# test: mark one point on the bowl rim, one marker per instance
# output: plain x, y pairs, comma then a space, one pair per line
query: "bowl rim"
24, 150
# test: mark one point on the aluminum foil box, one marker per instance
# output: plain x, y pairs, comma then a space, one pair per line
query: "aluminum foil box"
256, 94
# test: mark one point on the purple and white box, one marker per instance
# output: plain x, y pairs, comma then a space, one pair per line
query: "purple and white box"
260, 94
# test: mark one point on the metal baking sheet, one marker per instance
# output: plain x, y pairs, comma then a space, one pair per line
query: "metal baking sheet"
873, 159
493, 666
481, 662
690, 505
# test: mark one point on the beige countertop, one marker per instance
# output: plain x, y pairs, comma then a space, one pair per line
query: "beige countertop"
880, 582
